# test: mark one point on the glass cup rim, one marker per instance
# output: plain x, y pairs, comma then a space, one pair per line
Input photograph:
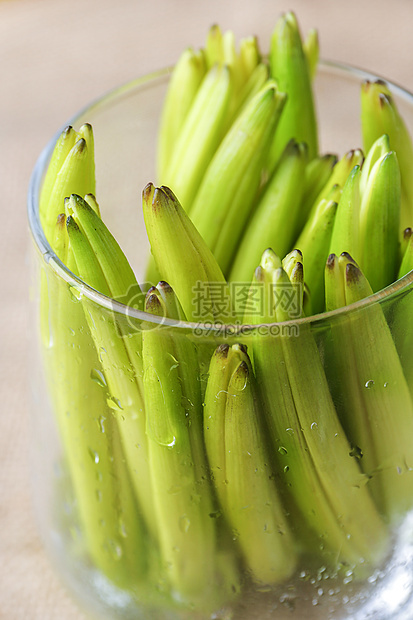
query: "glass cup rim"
399, 286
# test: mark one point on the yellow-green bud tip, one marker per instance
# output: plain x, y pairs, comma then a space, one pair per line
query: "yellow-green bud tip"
222, 351
331, 261
153, 304
353, 274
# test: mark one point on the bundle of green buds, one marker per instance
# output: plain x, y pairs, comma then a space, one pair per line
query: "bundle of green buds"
239, 455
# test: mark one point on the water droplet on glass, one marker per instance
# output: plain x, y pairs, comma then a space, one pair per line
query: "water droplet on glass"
184, 524
75, 294
216, 514
282, 450
122, 528
98, 377
114, 403
101, 423
373, 578
288, 600
162, 436
356, 452
115, 549
175, 363
186, 406
369, 384
94, 455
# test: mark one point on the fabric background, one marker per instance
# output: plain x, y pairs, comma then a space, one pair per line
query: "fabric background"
56, 56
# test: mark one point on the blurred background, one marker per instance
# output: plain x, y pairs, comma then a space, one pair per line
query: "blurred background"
55, 57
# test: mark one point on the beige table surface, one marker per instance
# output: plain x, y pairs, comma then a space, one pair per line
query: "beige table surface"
55, 56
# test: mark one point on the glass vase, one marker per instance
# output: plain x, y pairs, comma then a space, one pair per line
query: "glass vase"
137, 519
